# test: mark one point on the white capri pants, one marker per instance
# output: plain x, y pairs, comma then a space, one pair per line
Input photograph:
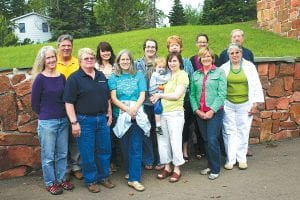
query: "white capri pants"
236, 128
170, 142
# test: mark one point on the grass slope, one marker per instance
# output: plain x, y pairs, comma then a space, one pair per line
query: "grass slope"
262, 43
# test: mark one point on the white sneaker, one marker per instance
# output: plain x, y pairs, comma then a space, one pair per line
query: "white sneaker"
213, 176
136, 185
205, 171
243, 165
228, 166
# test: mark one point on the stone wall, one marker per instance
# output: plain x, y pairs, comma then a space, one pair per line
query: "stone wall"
279, 16
278, 118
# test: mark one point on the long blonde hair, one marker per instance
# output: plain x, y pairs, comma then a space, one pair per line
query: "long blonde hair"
39, 63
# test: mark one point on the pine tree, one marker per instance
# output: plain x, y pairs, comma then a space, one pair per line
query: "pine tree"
176, 15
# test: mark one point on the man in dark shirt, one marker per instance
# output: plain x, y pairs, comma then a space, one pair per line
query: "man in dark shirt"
237, 36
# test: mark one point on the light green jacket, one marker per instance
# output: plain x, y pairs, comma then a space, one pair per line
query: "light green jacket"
216, 89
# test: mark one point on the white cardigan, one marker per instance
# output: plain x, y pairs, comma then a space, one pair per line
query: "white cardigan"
255, 91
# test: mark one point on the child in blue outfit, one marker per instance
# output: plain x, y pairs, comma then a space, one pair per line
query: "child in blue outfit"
158, 79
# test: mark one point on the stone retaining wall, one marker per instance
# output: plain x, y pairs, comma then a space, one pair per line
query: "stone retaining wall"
278, 118
279, 16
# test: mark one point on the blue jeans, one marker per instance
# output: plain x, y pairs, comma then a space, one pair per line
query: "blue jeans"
95, 147
53, 136
210, 130
131, 144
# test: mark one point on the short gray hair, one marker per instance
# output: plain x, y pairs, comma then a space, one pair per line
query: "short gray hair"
64, 37
232, 46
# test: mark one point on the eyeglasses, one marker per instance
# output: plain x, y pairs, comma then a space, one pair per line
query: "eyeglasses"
234, 53
89, 59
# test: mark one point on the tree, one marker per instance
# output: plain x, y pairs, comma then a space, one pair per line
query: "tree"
119, 15
7, 37
225, 12
192, 15
176, 15
39, 6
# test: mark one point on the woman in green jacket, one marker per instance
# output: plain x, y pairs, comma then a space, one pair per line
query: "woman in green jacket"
207, 96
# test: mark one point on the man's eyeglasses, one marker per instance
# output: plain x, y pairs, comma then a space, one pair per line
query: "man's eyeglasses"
235, 53
89, 59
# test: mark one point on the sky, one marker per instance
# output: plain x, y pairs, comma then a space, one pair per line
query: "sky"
166, 5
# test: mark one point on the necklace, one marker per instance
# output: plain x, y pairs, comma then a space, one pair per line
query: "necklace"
236, 71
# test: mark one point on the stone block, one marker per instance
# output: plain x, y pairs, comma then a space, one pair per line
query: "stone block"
284, 134
272, 71
276, 88
284, 116
23, 88
297, 71
15, 156
266, 129
253, 140
9, 139
254, 132
26, 103
5, 84
29, 127
295, 133
295, 112
283, 103
23, 118
264, 82
296, 24
288, 125
276, 126
295, 97
271, 103
266, 114
18, 78
8, 112
276, 115
15, 172
256, 122
296, 85
288, 82
263, 69
286, 69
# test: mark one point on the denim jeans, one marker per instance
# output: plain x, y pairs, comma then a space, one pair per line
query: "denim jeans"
131, 144
210, 130
53, 136
148, 144
95, 147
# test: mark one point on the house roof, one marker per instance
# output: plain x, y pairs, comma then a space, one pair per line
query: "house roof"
28, 14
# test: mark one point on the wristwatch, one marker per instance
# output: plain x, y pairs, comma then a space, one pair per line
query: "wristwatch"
74, 123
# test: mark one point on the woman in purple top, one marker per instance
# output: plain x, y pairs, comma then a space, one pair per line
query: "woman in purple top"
46, 100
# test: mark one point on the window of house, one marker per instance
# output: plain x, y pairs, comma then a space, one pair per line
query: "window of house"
45, 27
22, 27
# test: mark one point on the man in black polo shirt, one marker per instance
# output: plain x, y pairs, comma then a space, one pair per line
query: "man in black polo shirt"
89, 110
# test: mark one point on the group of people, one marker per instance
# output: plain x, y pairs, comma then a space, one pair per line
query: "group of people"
88, 108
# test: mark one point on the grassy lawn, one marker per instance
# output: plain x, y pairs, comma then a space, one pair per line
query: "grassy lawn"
262, 43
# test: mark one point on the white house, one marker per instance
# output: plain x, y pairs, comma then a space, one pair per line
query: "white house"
33, 26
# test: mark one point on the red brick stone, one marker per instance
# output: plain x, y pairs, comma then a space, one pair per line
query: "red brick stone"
276, 115
286, 69
276, 88
26, 103
276, 126
29, 127
23, 88
254, 132
271, 103
296, 85
272, 71
253, 140
18, 78
288, 82
264, 82
256, 122
15, 172
296, 24
295, 3
283, 103
19, 105
284, 134
23, 118
19, 155
295, 97
284, 116
289, 125
5, 84
262, 69
8, 112
266, 129
295, 112
297, 71
295, 133
266, 114
8, 139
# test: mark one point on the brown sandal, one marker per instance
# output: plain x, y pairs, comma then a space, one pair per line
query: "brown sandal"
174, 178
164, 174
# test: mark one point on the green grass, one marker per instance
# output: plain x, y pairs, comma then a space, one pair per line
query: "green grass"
262, 43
